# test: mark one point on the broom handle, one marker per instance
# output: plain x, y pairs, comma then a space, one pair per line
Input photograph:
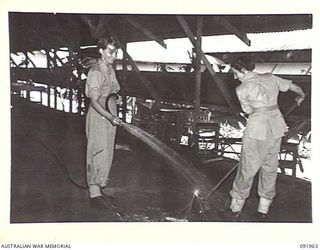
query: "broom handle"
293, 107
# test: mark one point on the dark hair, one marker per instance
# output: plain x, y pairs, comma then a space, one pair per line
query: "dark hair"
243, 62
103, 42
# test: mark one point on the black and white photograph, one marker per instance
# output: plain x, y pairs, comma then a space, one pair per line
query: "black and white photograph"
172, 118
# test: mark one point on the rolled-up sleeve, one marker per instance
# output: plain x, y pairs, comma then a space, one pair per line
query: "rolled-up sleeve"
94, 84
283, 84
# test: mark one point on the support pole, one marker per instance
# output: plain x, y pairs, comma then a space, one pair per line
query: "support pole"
55, 95
198, 82
219, 82
79, 100
49, 95
49, 86
70, 100
41, 97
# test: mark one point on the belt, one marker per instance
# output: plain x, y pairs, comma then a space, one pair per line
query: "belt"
265, 109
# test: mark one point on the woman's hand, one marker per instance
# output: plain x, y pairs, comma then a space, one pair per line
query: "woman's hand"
298, 90
119, 99
116, 121
299, 99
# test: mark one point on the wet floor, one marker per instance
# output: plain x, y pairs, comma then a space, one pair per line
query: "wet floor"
48, 180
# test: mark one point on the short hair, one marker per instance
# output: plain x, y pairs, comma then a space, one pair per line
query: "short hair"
243, 62
105, 41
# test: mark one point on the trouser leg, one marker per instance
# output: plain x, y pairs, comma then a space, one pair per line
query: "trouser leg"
268, 176
249, 165
100, 150
94, 191
268, 172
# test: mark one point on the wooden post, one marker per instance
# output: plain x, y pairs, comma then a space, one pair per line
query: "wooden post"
79, 100
49, 95
49, 86
124, 69
124, 108
55, 96
28, 95
70, 100
133, 107
197, 96
219, 82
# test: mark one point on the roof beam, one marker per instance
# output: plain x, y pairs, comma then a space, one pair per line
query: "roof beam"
241, 35
220, 83
144, 30
276, 56
151, 90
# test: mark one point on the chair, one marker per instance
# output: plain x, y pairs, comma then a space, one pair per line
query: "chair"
208, 138
288, 156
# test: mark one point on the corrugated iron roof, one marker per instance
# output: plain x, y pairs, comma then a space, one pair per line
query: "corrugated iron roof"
33, 31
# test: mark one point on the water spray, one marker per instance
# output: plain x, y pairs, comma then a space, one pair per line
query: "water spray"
199, 202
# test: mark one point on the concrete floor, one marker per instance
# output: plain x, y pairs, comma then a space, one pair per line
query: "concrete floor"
48, 180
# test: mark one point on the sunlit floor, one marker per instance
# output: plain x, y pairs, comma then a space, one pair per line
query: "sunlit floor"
48, 180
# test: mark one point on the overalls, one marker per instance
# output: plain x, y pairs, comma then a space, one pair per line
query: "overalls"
258, 94
100, 132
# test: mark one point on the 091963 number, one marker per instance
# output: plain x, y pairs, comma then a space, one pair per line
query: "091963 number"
312, 246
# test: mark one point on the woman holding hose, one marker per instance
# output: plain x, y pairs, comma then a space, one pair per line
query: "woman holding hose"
100, 123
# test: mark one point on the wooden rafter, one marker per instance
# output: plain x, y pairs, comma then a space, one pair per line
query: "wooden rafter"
145, 31
276, 56
151, 90
54, 58
29, 59
308, 71
230, 27
12, 61
220, 83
